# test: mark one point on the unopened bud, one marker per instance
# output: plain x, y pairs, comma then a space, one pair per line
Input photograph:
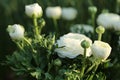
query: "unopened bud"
57, 62
100, 30
41, 22
92, 9
85, 44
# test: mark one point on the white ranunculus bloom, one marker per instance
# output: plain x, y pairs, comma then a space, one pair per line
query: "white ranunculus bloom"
53, 12
79, 28
33, 10
101, 50
16, 31
69, 13
107, 19
116, 25
69, 45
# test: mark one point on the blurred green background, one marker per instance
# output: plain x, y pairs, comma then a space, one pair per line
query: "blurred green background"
12, 12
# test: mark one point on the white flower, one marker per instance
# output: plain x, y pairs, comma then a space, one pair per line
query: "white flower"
116, 25
101, 50
69, 45
107, 19
78, 28
33, 10
16, 31
53, 12
69, 13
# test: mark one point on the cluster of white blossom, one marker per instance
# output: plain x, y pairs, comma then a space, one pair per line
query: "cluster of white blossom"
69, 45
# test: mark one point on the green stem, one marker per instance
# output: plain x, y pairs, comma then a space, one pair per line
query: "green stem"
83, 65
90, 2
94, 71
117, 7
29, 44
99, 36
93, 21
90, 68
36, 31
55, 25
20, 47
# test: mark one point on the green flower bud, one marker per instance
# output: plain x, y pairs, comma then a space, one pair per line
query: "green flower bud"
92, 9
85, 44
41, 22
100, 29
57, 62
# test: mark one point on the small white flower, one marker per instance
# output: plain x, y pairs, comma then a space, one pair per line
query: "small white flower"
16, 31
33, 10
101, 50
107, 19
70, 45
77, 28
53, 12
69, 13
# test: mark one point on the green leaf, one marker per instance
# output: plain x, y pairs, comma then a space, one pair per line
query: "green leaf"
36, 73
48, 76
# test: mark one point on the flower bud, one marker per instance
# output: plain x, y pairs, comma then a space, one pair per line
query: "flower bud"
101, 50
16, 31
33, 10
41, 22
92, 9
53, 12
85, 44
57, 62
100, 30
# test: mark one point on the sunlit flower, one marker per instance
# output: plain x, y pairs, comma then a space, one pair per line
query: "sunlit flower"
107, 19
69, 45
53, 12
79, 28
16, 31
101, 50
69, 13
33, 10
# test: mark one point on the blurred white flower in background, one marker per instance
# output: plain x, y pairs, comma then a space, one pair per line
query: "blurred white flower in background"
53, 12
69, 45
107, 20
116, 25
69, 13
16, 31
33, 10
119, 41
79, 28
101, 50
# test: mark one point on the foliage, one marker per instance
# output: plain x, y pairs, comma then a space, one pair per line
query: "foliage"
12, 11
